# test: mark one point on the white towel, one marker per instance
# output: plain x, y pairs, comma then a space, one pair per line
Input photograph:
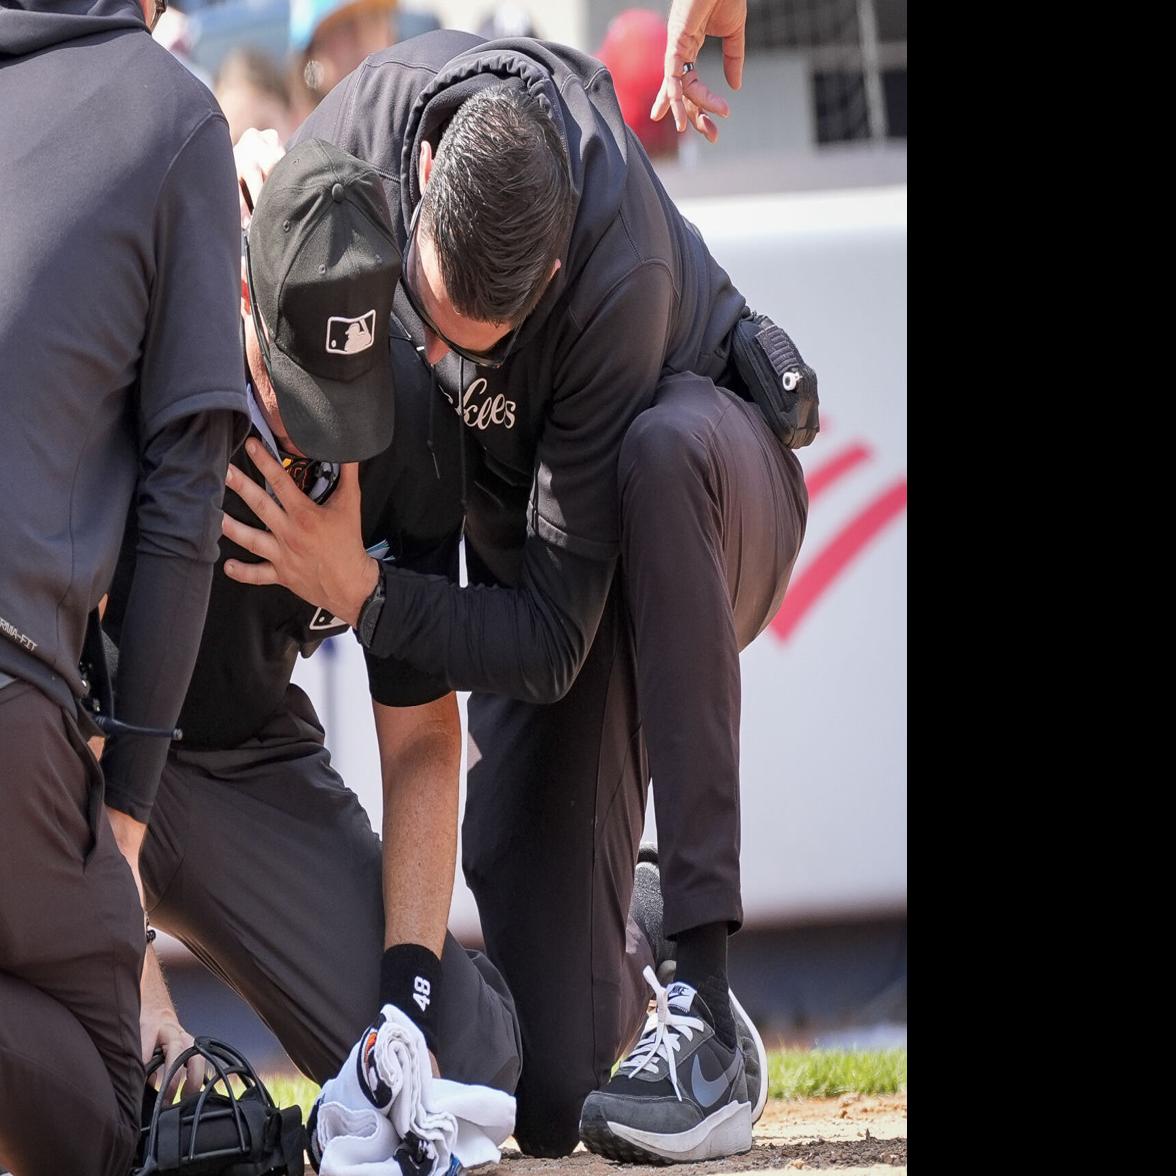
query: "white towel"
461, 1121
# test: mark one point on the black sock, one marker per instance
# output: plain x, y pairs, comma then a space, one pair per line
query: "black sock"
702, 963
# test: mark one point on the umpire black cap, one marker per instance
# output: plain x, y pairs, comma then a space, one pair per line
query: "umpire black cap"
322, 267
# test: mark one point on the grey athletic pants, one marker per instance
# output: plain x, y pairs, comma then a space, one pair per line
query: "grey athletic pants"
713, 511
71, 953
266, 866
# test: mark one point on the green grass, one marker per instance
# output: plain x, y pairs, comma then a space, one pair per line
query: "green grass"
826, 1073
792, 1074
289, 1089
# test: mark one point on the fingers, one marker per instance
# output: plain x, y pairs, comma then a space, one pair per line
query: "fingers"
150, 1046
254, 540
255, 154
733, 53
682, 46
174, 1044
696, 91
684, 96
258, 573
661, 104
254, 497
195, 1071
280, 482
691, 105
669, 99
702, 122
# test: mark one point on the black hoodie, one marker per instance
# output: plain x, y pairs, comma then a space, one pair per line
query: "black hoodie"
637, 296
120, 366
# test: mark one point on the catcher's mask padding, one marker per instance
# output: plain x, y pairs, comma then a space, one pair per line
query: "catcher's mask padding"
213, 1131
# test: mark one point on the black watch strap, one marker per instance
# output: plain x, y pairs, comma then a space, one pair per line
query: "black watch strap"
369, 613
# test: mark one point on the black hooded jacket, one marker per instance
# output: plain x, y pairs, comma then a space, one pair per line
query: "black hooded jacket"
637, 296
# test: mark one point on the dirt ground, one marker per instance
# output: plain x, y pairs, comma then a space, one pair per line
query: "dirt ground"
856, 1134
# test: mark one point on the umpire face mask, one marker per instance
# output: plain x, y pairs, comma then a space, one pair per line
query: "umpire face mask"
316, 478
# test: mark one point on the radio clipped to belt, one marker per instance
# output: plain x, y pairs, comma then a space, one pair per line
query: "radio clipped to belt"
777, 378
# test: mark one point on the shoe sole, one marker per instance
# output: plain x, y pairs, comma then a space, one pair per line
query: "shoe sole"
726, 1132
758, 1109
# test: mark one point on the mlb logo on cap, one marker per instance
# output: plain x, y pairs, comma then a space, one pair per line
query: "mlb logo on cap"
321, 243
349, 336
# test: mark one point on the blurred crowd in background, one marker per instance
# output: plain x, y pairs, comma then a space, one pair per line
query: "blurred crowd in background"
819, 74
269, 64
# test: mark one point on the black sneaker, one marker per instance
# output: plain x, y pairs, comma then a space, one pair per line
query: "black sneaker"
755, 1058
680, 1095
646, 911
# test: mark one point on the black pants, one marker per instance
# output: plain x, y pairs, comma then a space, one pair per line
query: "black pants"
713, 511
71, 954
265, 865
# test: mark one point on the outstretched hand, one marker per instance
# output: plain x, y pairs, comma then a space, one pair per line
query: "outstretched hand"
315, 551
687, 95
256, 154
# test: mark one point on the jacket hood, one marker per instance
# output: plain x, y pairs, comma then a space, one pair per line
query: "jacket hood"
27, 26
577, 92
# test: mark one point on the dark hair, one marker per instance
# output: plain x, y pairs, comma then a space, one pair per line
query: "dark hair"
499, 205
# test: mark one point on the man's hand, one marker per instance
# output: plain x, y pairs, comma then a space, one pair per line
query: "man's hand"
315, 551
158, 1023
256, 154
159, 1026
377, 1091
690, 23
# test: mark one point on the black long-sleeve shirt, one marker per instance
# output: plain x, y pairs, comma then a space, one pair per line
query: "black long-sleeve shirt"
527, 641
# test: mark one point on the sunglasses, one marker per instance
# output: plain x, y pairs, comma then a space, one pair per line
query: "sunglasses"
316, 479
494, 358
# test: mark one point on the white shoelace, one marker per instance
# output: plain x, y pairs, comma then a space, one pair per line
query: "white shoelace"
661, 1037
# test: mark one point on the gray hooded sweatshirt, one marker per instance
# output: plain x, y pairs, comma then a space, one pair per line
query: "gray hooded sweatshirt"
121, 377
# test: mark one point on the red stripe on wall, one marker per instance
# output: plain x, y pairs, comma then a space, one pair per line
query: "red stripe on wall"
825, 475
807, 588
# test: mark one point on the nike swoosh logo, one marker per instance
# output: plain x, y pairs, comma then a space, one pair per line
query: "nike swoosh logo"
707, 1091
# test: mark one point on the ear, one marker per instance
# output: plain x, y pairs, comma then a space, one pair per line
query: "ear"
554, 268
425, 165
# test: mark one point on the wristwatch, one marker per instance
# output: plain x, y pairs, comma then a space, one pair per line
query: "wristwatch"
369, 613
